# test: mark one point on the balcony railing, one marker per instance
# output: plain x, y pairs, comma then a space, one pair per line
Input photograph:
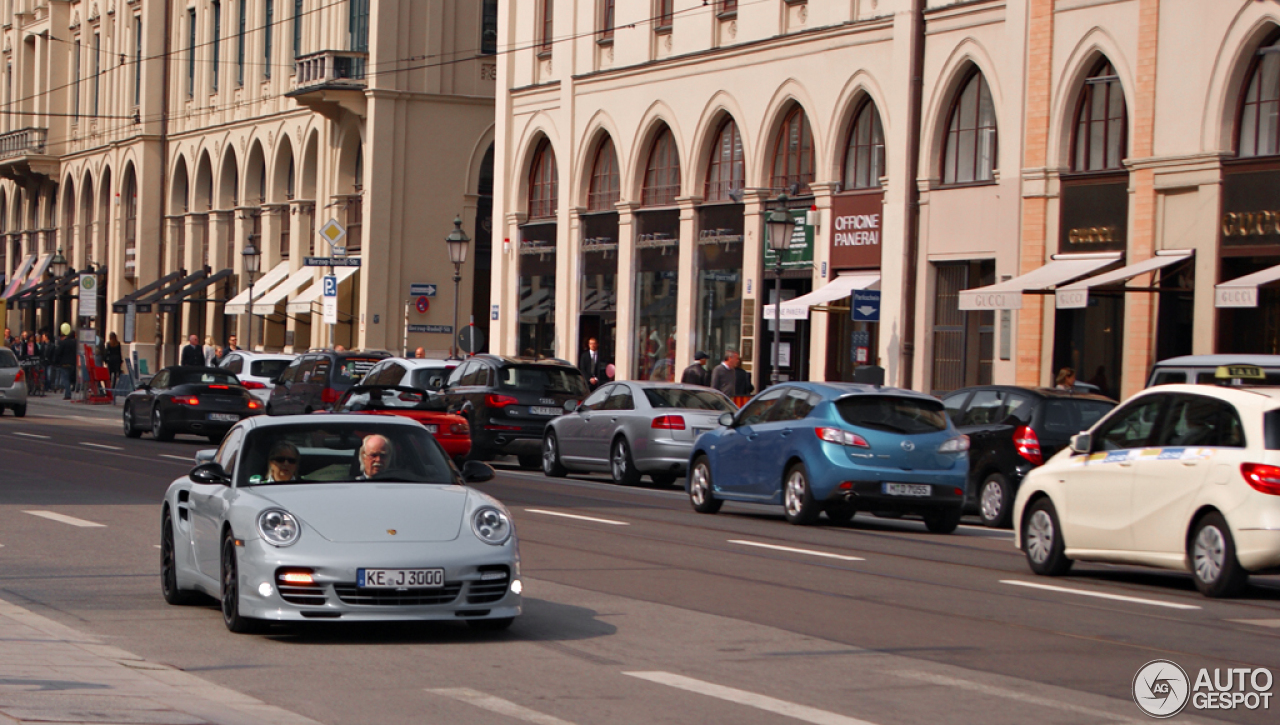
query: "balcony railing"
23, 142
330, 69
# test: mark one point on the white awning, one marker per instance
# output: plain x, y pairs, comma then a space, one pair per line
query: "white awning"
1243, 291
842, 286
301, 304
236, 305
1076, 295
266, 304
1007, 295
37, 274
19, 276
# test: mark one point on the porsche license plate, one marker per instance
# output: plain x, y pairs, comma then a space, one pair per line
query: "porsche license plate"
399, 578
224, 417
907, 489
538, 410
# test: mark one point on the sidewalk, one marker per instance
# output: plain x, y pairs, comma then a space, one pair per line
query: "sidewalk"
50, 673
53, 404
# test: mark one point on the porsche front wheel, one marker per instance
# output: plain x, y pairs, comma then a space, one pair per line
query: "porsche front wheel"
231, 592
169, 565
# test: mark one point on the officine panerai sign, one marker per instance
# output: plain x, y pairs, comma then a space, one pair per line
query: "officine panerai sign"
856, 221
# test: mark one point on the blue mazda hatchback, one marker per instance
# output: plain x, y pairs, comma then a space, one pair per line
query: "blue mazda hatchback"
835, 447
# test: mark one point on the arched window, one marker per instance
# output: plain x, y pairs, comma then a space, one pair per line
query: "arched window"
1101, 139
970, 151
1259, 130
543, 178
864, 154
727, 170
662, 175
603, 192
793, 153
130, 223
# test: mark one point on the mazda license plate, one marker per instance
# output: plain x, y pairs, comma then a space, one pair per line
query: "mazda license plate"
907, 489
431, 428
538, 410
399, 578
224, 417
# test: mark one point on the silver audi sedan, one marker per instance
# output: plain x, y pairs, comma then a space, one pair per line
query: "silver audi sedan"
631, 429
13, 388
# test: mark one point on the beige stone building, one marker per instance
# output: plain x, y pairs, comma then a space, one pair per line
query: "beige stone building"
1082, 183
152, 141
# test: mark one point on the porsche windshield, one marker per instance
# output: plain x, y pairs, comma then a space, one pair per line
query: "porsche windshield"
322, 452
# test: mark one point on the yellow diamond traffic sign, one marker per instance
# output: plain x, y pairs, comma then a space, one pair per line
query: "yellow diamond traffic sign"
332, 232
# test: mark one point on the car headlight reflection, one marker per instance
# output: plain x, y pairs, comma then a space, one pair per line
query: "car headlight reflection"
491, 525
279, 527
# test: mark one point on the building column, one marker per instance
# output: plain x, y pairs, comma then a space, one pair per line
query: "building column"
220, 230
818, 321
625, 284
686, 304
242, 227
756, 289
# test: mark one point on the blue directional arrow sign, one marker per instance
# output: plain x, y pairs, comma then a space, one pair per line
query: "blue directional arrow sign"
422, 290
866, 306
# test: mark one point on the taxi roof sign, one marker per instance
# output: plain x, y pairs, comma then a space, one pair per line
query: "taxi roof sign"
1239, 372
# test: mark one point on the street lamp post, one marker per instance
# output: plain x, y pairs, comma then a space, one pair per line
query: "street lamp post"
457, 241
780, 227
252, 257
58, 266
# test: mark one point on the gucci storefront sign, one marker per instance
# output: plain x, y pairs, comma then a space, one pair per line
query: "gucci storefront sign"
1250, 224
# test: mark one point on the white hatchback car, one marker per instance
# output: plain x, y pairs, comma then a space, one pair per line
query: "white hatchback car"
1183, 477
257, 371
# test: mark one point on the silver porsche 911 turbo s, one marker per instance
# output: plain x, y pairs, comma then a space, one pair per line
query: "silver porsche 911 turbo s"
338, 517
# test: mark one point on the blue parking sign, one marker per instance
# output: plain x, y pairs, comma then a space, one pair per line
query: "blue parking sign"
866, 305
330, 286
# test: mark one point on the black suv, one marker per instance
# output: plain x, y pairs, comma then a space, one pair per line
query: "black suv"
509, 400
316, 380
1011, 431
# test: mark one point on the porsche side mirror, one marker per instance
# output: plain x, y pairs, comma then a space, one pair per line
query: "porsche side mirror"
476, 472
570, 406
1081, 443
209, 473
725, 420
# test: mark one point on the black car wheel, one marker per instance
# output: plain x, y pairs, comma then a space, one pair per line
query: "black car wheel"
168, 565
701, 493
551, 465
995, 501
158, 431
1213, 558
130, 426
942, 522
621, 465
530, 461
797, 496
231, 591
20, 411
1042, 540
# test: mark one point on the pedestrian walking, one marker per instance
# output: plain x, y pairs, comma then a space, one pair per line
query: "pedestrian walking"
192, 353
210, 352
723, 378
65, 360
114, 357
696, 374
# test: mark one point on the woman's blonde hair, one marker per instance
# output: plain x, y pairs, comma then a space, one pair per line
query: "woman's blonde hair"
208, 340
1063, 374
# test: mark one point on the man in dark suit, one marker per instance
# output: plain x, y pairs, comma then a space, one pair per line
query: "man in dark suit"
592, 364
725, 378
696, 374
192, 352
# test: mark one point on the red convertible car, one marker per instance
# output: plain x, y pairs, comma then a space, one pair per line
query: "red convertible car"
429, 409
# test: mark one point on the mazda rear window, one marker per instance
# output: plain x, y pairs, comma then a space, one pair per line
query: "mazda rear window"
431, 378
893, 414
1073, 416
542, 378
688, 399
267, 368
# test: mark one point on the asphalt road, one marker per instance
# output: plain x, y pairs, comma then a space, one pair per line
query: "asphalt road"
638, 610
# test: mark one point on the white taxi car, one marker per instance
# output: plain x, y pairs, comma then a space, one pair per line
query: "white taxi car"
1183, 477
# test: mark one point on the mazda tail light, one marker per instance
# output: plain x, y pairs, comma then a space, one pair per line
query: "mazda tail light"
1262, 477
841, 437
459, 429
668, 422
1027, 443
493, 400
329, 396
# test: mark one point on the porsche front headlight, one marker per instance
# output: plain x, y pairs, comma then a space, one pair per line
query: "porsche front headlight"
491, 525
279, 527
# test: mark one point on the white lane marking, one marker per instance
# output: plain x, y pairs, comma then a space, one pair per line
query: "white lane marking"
31, 435
102, 446
498, 705
63, 518
544, 512
184, 459
1273, 623
751, 699
944, 681
1099, 595
793, 550
587, 483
